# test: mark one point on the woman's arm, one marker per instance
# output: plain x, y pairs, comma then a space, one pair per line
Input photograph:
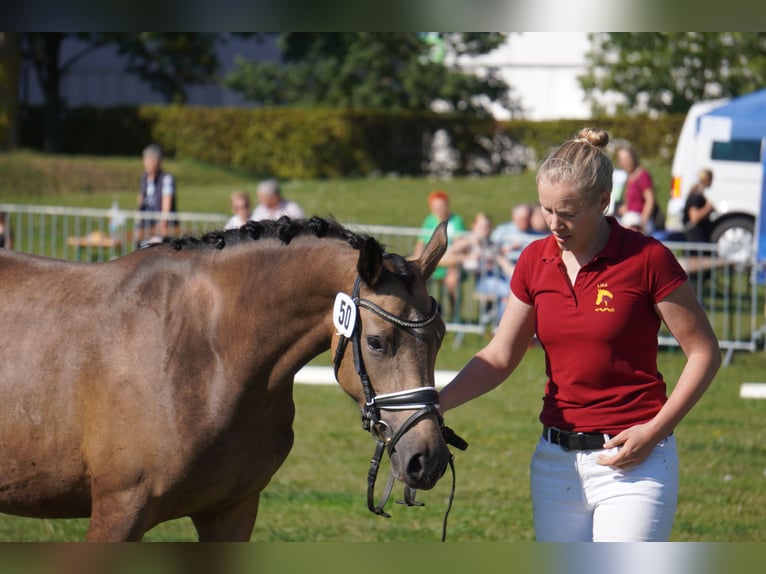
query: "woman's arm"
495, 362
688, 323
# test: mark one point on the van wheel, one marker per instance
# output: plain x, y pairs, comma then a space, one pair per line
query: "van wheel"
735, 238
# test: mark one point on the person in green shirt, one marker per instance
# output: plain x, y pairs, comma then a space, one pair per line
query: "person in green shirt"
449, 276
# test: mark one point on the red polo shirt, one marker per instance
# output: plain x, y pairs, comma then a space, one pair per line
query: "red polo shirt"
600, 335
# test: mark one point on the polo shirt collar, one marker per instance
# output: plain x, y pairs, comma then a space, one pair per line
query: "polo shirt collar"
552, 253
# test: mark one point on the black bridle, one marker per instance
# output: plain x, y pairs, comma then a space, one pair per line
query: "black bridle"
423, 400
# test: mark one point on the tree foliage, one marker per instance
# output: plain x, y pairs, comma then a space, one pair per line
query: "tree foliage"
668, 72
401, 70
169, 62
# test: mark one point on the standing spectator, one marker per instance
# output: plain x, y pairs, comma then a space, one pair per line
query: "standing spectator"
605, 467
698, 211
639, 189
158, 194
240, 208
271, 204
448, 275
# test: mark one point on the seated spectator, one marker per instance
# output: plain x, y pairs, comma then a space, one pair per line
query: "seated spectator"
514, 235
482, 257
448, 274
698, 211
537, 221
512, 232
240, 207
271, 204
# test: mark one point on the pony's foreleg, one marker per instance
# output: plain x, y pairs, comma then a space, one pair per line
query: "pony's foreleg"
231, 524
117, 517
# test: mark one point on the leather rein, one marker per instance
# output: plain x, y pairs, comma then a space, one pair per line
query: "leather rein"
423, 400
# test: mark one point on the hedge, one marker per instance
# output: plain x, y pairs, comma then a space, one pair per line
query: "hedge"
298, 143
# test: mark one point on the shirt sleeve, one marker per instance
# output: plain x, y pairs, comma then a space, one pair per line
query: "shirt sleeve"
294, 211
664, 272
168, 185
520, 278
644, 181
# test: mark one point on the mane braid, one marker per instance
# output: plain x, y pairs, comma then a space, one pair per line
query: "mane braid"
283, 229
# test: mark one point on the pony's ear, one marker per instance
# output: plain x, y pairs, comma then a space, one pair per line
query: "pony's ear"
370, 262
434, 251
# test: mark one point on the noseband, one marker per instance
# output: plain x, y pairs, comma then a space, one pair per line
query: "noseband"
423, 400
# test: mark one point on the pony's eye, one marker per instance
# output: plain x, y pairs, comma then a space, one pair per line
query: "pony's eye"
376, 344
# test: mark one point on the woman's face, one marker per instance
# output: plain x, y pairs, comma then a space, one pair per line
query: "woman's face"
625, 160
573, 221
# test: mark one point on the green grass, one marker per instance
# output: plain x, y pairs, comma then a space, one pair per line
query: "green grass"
319, 493
27, 177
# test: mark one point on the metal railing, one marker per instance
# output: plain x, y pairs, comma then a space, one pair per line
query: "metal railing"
730, 293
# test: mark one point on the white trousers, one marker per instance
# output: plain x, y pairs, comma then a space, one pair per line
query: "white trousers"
575, 499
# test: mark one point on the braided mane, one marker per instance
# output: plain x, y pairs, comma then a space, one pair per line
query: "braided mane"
283, 229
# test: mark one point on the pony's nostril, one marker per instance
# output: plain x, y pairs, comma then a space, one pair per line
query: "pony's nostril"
415, 467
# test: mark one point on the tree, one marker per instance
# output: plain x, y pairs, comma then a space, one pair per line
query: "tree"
401, 70
10, 58
668, 72
169, 62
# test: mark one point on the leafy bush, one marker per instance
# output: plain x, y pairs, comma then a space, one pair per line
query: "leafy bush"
300, 143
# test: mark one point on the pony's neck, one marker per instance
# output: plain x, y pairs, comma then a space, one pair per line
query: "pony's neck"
284, 299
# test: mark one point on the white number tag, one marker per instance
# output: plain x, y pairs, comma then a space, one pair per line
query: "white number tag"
344, 314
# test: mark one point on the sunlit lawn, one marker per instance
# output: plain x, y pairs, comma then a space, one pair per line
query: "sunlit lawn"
319, 494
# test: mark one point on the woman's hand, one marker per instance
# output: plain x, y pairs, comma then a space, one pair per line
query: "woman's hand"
636, 443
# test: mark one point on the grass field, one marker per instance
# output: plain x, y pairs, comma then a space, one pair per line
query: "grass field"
319, 494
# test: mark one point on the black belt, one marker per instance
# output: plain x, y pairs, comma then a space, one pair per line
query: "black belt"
574, 440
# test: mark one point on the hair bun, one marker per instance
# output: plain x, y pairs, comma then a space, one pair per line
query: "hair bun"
595, 137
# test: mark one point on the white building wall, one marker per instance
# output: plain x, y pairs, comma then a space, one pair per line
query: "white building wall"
542, 69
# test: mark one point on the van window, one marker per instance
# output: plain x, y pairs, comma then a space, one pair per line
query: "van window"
737, 150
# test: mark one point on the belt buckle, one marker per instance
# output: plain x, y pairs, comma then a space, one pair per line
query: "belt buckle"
571, 440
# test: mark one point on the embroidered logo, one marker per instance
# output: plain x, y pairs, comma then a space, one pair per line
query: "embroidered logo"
604, 299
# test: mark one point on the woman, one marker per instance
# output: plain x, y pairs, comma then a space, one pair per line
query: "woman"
595, 293
639, 193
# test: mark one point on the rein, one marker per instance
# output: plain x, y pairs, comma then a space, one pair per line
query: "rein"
423, 400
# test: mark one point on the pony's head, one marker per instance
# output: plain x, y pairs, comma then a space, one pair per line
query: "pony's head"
385, 353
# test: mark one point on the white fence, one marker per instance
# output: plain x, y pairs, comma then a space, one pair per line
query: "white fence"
732, 298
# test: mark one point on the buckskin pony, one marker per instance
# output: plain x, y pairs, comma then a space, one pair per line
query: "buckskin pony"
160, 384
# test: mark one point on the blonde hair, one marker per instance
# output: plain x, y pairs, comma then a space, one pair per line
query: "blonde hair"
580, 162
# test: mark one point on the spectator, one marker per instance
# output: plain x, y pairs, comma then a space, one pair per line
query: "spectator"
605, 467
632, 220
158, 194
537, 221
639, 190
698, 211
447, 274
516, 234
513, 234
6, 237
480, 256
240, 207
271, 204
